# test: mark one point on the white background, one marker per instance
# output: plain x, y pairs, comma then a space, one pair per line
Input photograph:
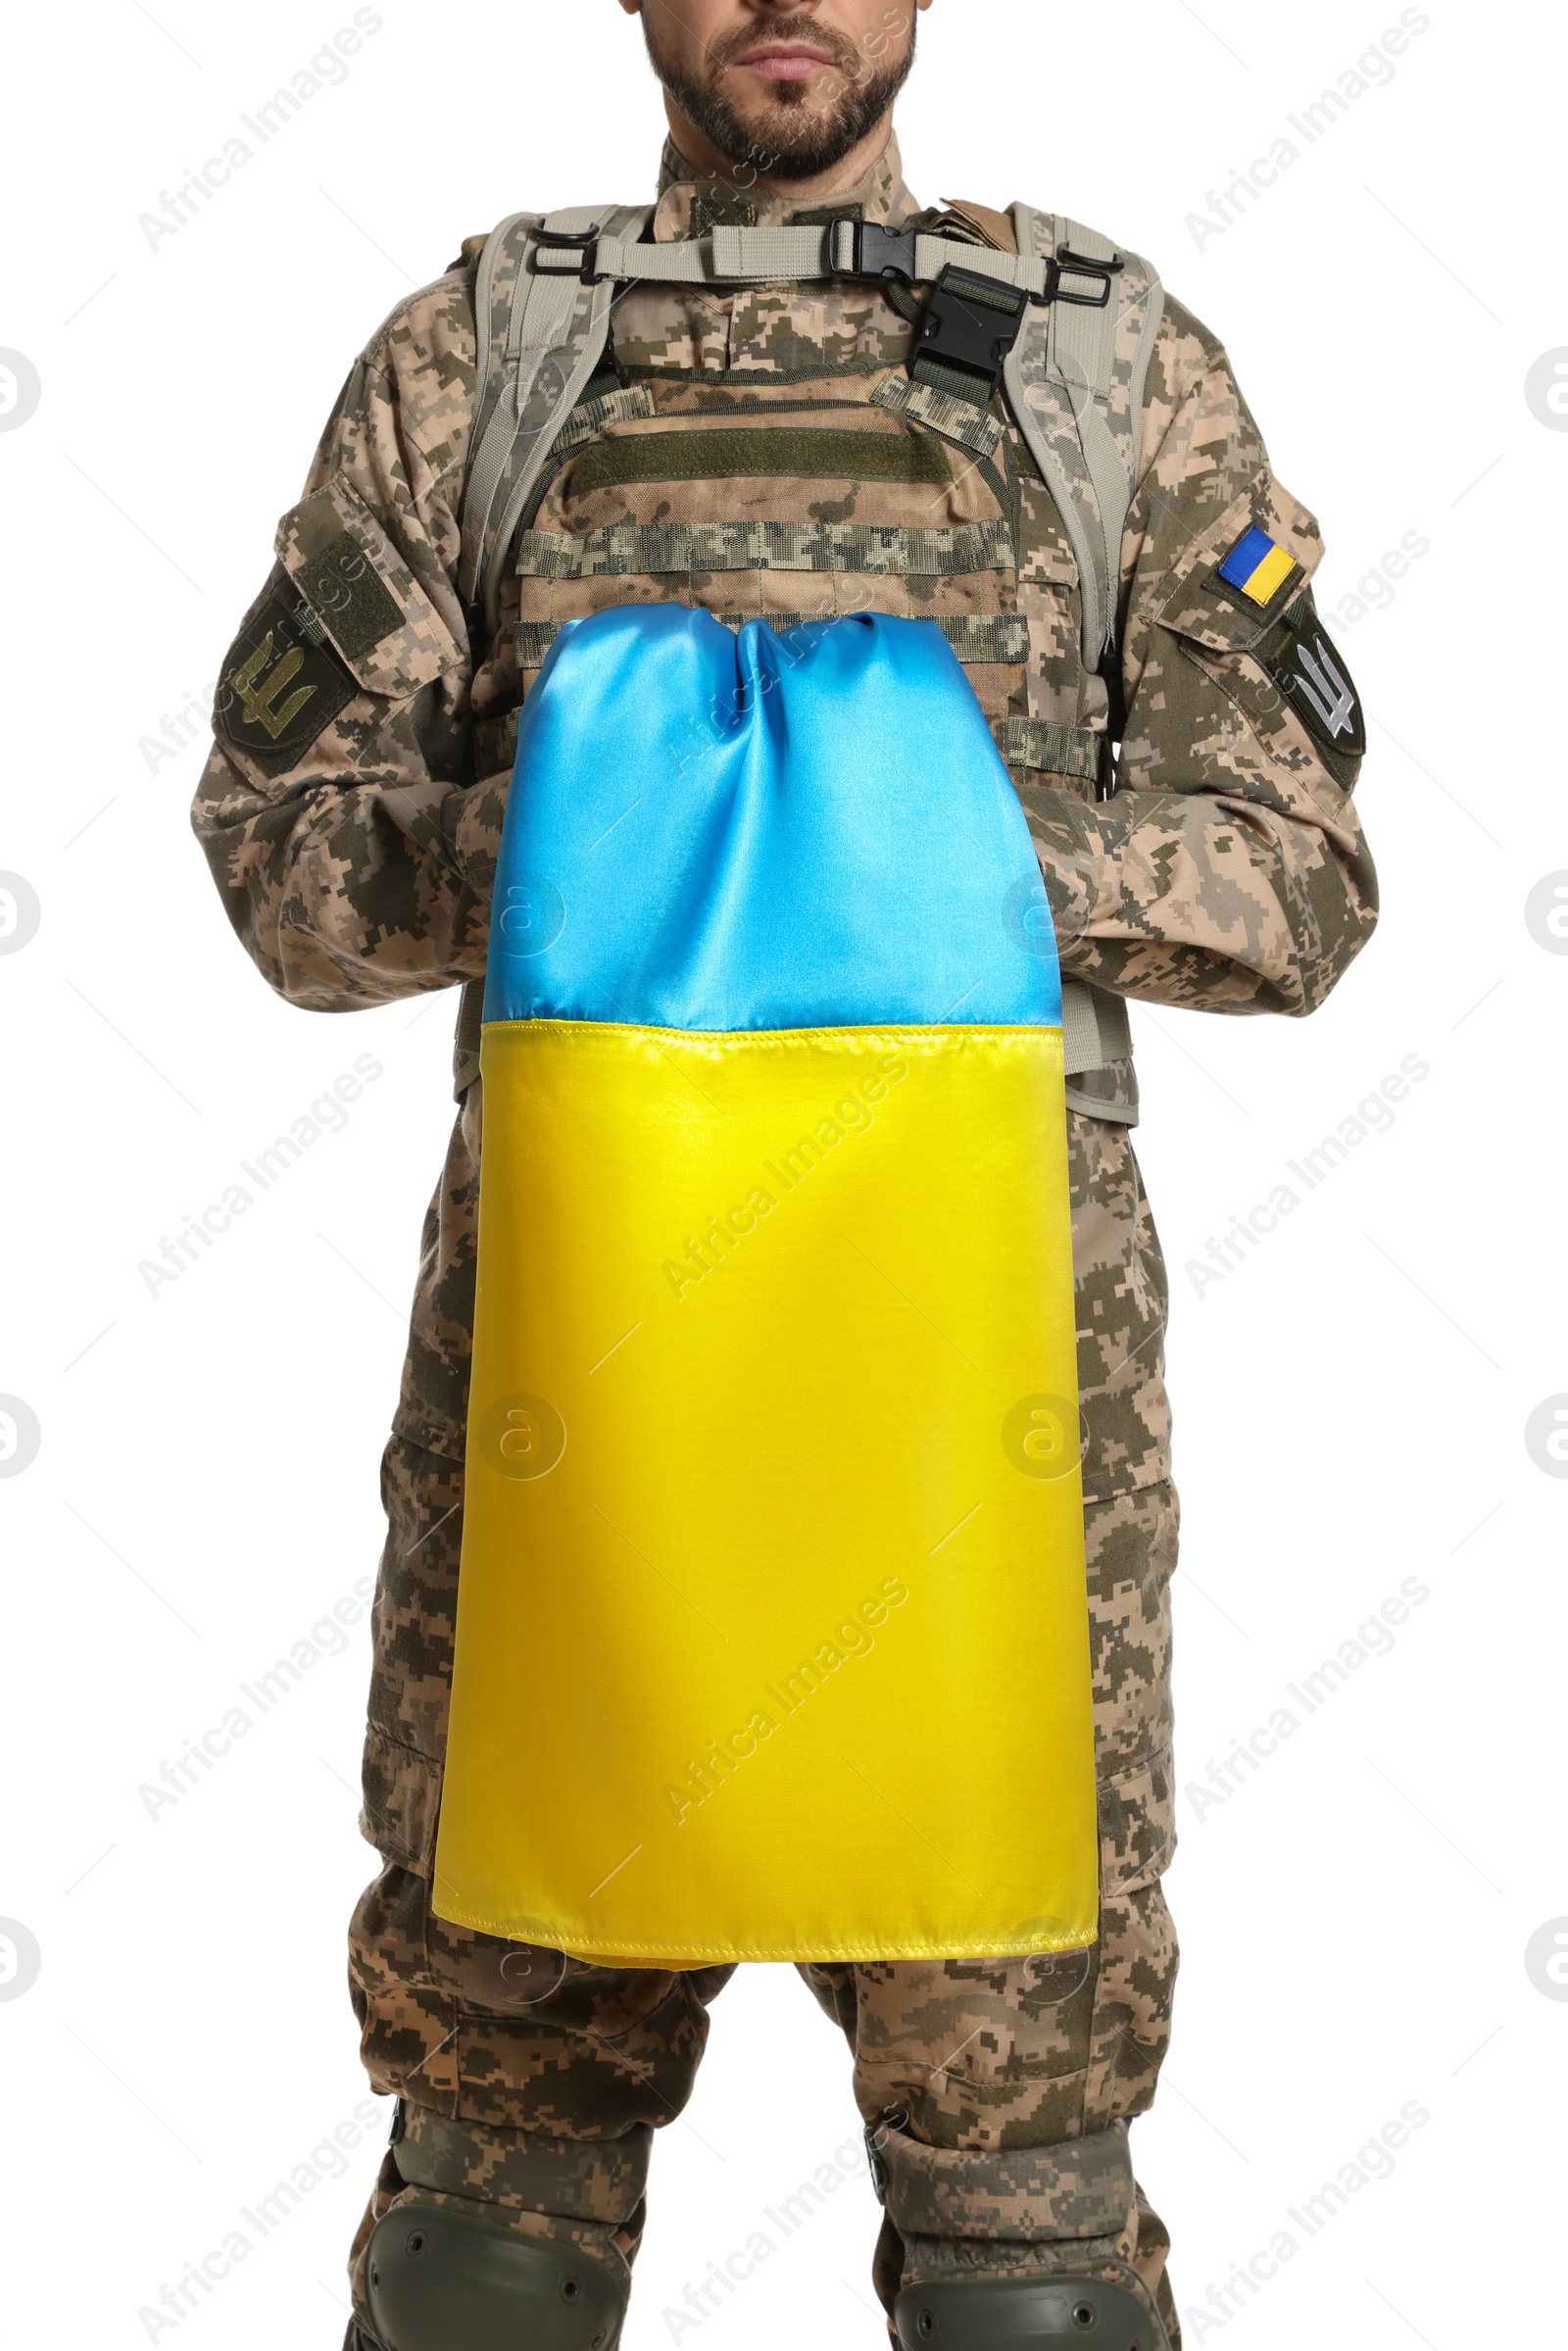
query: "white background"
1351, 1402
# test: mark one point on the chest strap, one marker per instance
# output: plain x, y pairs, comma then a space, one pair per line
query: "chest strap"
729, 256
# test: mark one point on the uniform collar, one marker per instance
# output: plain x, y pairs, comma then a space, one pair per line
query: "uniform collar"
689, 206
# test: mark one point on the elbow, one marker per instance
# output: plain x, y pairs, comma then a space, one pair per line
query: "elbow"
1333, 954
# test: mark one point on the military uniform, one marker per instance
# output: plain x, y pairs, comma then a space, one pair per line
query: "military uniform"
767, 454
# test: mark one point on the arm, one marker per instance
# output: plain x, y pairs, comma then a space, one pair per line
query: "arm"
353, 856
1229, 871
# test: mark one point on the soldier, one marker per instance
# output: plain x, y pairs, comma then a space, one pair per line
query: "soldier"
765, 435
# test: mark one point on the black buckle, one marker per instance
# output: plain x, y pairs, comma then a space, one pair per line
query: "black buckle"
584, 243
1067, 264
972, 322
865, 249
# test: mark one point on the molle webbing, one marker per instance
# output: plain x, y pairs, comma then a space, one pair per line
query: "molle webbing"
976, 638
790, 452
1052, 750
889, 551
953, 415
591, 416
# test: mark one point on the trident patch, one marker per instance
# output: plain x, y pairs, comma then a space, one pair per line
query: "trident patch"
1311, 670
282, 685
258, 686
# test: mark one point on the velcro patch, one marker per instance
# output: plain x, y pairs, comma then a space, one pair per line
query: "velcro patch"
342, 584
1309, 670
280, 684
788, 451
1257, 568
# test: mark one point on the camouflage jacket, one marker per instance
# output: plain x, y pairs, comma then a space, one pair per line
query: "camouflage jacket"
765, 456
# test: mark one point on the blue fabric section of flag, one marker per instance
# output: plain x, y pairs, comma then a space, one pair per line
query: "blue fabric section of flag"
1244, 557
709, 830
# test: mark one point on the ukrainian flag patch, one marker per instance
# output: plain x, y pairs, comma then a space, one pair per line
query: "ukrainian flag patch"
1258, 565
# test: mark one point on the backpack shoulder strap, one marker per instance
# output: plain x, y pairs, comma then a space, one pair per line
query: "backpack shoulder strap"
540, 339
1075, 382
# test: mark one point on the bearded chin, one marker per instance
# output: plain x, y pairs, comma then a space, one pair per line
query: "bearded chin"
789, 138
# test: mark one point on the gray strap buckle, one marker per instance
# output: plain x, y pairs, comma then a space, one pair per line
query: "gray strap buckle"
1067, 264
562, 253
865, 249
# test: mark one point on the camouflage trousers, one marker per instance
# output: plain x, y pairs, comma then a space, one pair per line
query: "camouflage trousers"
999, 2091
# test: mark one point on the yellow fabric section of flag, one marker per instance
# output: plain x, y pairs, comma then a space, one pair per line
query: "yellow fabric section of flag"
1262, 584
772, 1636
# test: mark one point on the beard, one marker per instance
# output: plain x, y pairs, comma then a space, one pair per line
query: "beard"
804, 128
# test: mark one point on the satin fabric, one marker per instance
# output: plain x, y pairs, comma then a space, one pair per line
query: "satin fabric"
773, 1639
772, 1634
713, 831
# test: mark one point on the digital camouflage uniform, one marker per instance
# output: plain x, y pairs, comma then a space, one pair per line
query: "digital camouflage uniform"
1227, 873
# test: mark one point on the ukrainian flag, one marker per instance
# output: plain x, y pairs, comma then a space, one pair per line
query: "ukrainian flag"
772, 1634
1258, 567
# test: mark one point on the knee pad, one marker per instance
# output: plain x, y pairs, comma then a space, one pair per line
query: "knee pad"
1025, 2314
437, 2275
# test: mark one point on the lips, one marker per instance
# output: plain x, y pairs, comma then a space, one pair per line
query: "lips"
787, 61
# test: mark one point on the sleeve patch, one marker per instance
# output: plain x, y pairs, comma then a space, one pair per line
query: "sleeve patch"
1258, 566
1309, 670
280, 686
343, 586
